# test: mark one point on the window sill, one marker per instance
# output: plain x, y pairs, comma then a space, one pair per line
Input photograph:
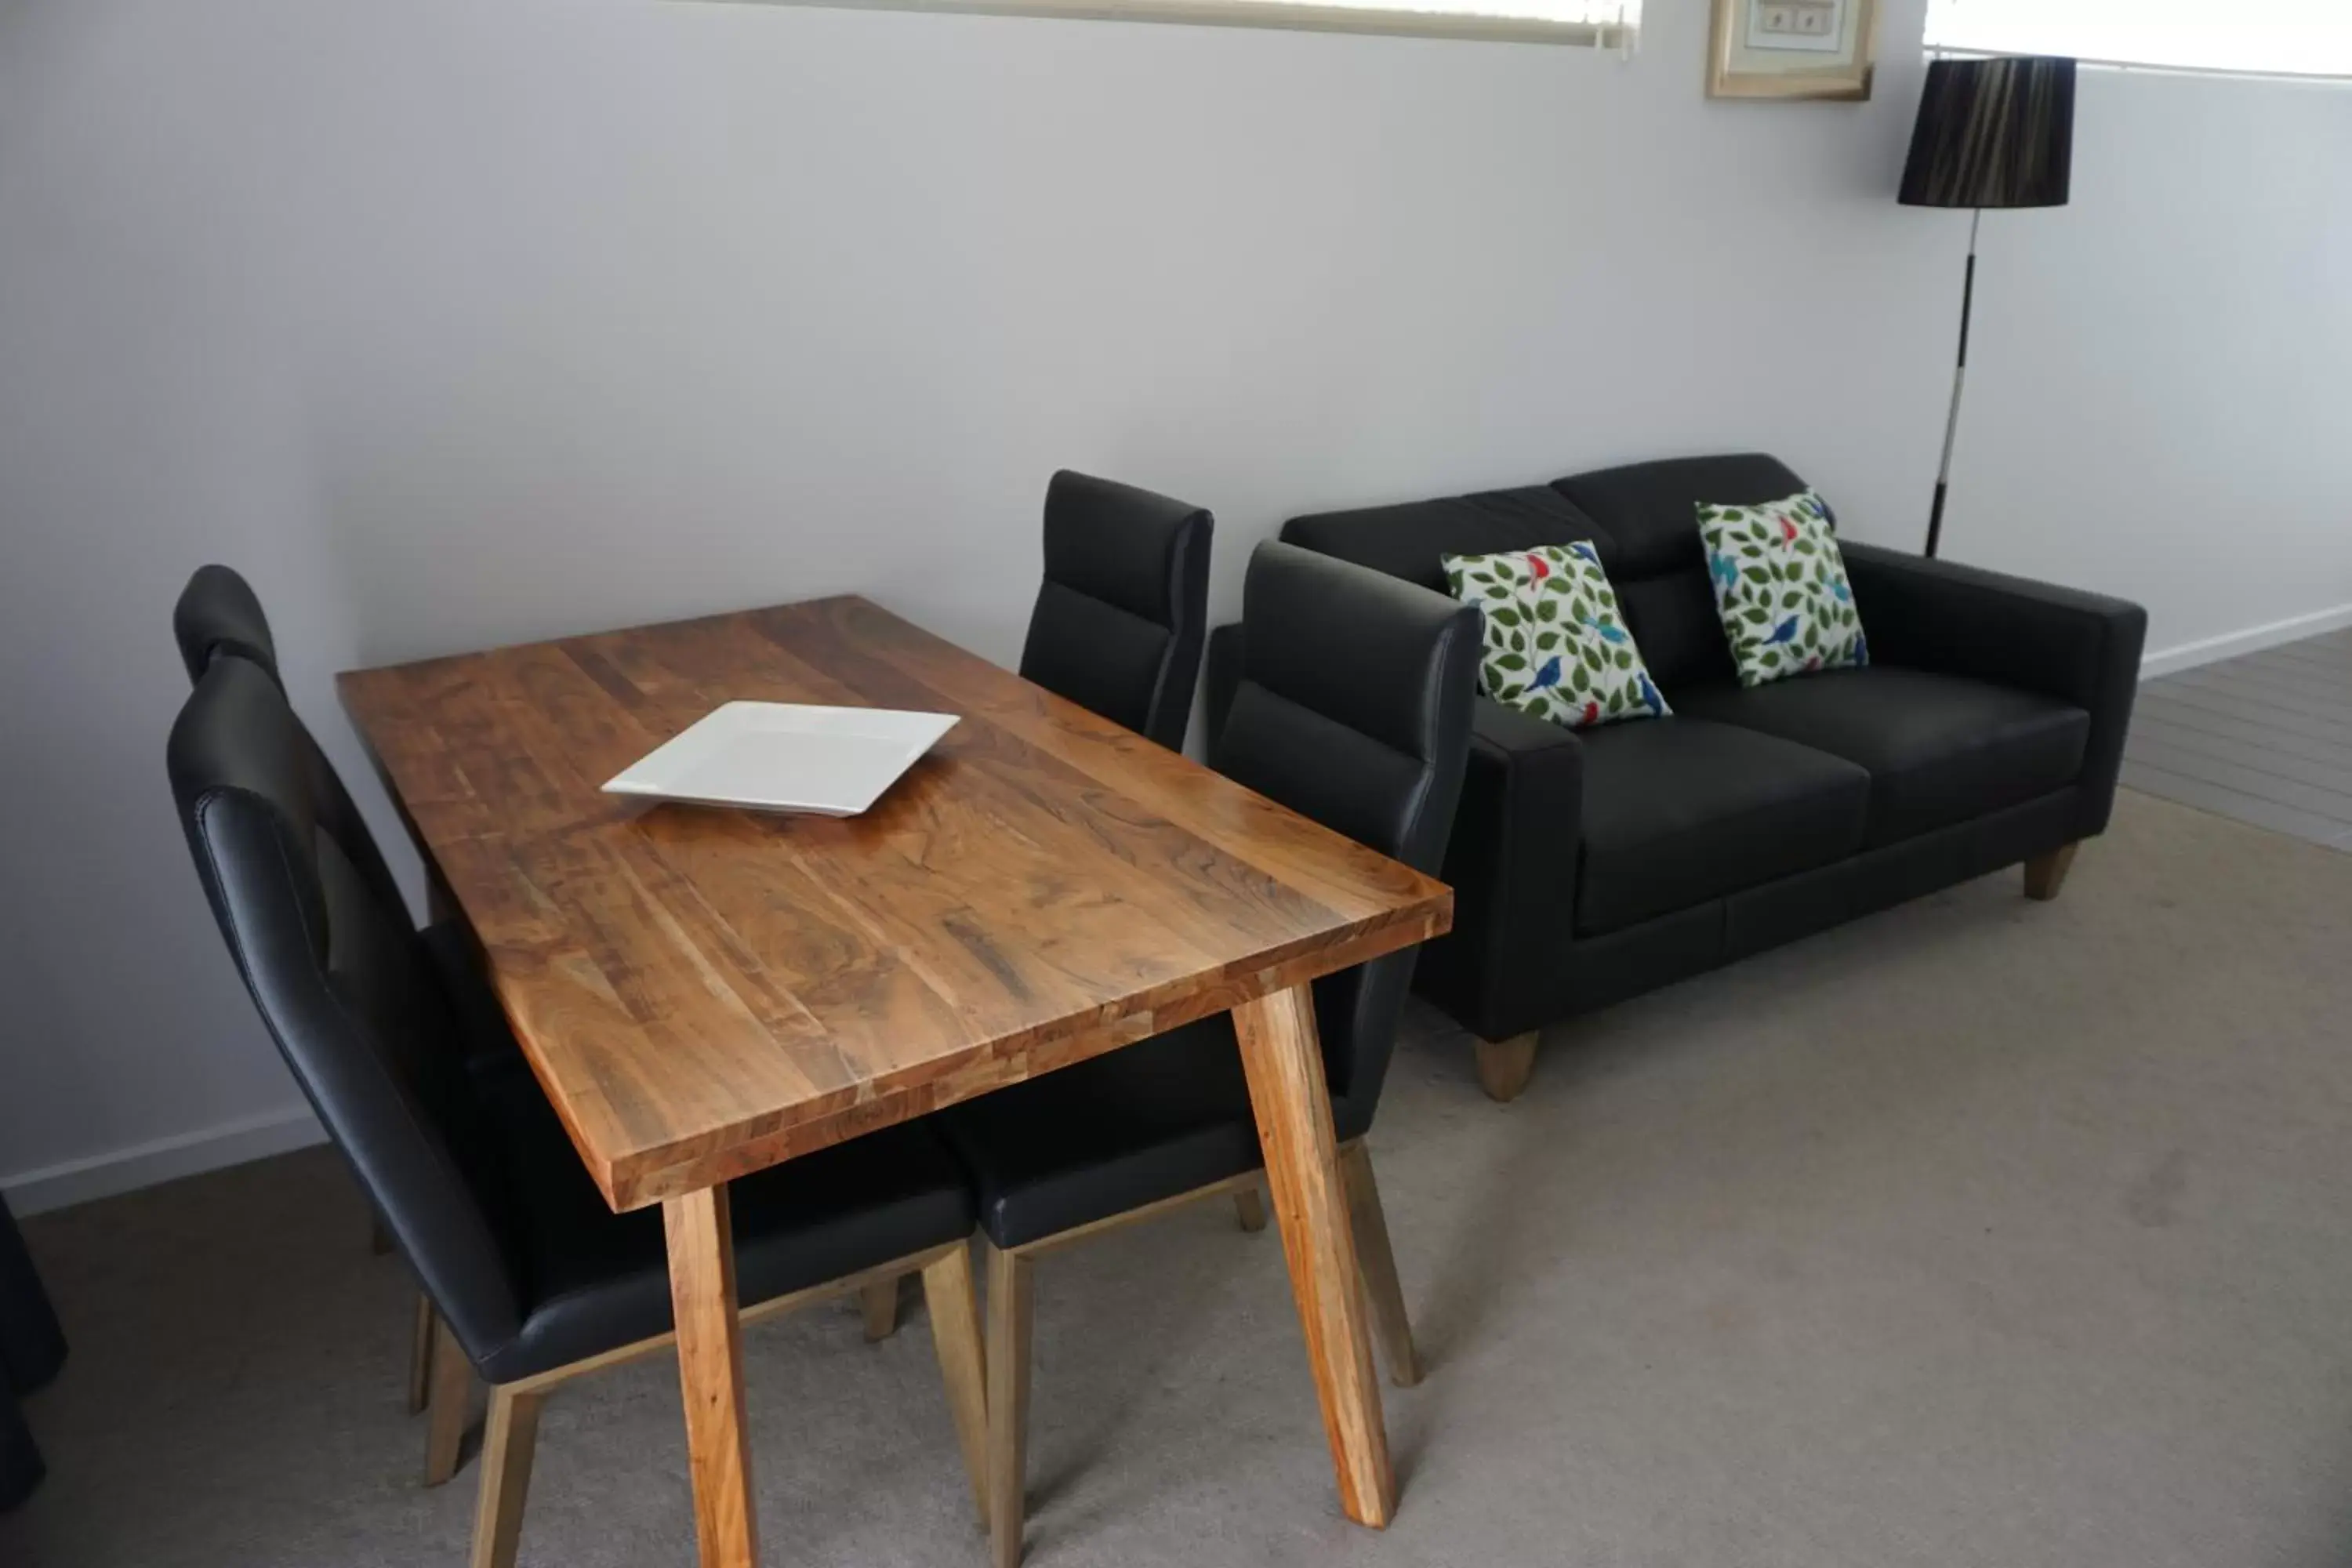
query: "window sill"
1293, 17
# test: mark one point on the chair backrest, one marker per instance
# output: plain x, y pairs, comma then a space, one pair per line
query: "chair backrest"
1120, 618
219, 617
219, 613
1640, 518
347, 988
1349, 704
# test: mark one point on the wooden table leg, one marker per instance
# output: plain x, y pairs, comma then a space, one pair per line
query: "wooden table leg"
1284, 1063
710, 1376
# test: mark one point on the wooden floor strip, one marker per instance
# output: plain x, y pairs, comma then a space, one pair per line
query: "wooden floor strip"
2230, 804
2226, 704
2156, 732
2230, 683
2265, 738
2319, 801
2237, 730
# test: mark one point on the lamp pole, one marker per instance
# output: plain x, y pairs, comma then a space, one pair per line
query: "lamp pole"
1959, 380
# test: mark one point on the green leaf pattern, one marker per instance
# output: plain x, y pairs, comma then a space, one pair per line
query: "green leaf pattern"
1781, 589
1557, 644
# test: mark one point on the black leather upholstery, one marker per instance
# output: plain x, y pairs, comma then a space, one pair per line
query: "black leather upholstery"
2084, 650
1938, 748
218, 611
1120, 618
470, 1170
1349, 702
218, 615
1989, 729
1678, 811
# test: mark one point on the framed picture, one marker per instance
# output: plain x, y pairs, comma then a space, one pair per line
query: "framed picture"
1792, 48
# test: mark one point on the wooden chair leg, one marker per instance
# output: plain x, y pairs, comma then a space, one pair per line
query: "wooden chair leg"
2045, 874
1376, 1261
964, 1364
1505, 1065
420, 1354
508, 1437
1008, 1402
452, 1395
880, 1303
1249, 1208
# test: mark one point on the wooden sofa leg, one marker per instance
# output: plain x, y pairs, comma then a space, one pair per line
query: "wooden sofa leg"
1505, 1065
2045, 874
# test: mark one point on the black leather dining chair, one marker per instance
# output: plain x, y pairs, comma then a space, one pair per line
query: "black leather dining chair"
1351, 704
536, 1280
218, 615
1120, 618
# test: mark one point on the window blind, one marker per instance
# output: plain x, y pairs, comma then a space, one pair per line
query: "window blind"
2285, 38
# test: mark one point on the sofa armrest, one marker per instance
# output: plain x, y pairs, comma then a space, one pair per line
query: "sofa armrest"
2079, 647
1512, 862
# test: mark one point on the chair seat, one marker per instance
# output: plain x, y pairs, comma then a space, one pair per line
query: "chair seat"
1678, 811
1939, 749
1131, 1127
595, 1280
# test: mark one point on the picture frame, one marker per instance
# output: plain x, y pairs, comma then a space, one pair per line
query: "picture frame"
1821, 49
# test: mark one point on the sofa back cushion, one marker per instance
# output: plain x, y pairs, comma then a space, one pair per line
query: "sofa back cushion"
1412, 541
1649, 512
1643, 519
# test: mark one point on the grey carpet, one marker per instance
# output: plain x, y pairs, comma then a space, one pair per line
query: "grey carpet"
1980, 1233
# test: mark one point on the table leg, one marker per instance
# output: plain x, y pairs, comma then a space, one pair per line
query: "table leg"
710, 1376
1285, 1064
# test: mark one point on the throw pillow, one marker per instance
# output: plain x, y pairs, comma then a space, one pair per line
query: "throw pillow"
1556, 641
1781, 588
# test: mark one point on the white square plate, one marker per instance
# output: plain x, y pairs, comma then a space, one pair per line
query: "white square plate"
782, 756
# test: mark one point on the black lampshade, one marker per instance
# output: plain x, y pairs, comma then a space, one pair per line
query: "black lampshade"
1993, 134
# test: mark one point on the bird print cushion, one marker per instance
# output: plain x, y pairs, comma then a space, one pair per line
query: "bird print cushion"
1556, 642
1781, 588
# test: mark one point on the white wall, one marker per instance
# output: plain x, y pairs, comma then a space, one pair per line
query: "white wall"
455, 322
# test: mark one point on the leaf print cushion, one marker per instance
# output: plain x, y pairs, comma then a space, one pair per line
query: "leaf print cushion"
1556, 641
1781, 588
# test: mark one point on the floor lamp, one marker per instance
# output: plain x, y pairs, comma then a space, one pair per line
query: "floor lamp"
1995, 132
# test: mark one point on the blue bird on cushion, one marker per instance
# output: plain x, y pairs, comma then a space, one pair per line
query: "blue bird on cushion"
1858, 651
1785, 632
1548, 675
1608, 634
1724, 570
1651, 699
1844, 594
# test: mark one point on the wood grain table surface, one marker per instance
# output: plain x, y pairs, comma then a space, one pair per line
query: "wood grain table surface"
705, 992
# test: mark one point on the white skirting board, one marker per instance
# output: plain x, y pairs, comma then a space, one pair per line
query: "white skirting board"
2212, 650
144, 1164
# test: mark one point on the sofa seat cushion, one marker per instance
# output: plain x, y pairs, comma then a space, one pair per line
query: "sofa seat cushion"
1681, 810
1939, 749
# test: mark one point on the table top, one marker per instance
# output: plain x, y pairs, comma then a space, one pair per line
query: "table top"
704, 991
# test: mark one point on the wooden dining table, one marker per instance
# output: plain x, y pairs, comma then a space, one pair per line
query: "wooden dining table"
703, 992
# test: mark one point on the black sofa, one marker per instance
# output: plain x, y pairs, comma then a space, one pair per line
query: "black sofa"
1591, 866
